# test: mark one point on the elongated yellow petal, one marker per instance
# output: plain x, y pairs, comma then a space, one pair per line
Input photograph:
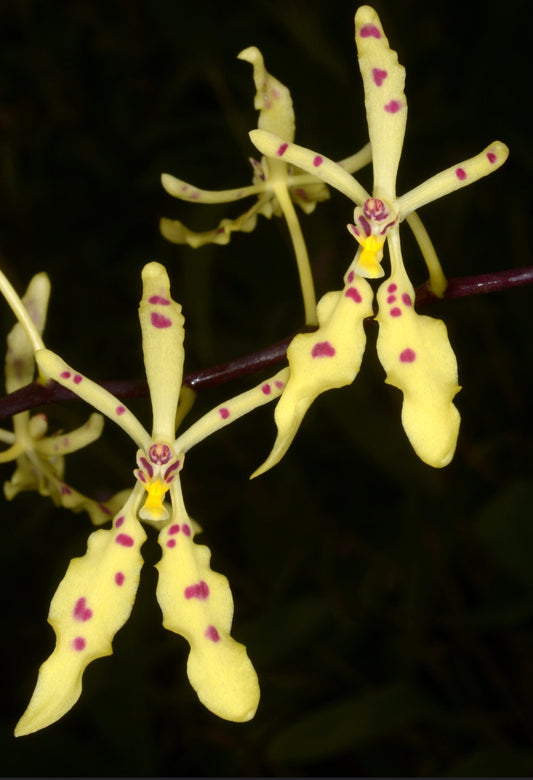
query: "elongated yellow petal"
55, 367
466, 172
416, 354
231, 410
197, 604
329, 357
386, 105
65, 443
189, 192
322, 167
272, 99
175, 231
20, 360
92, 602
163, 333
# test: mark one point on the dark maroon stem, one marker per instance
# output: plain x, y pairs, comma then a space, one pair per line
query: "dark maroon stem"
38, 395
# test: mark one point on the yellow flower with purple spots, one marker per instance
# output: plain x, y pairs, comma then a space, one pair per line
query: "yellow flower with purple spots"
97, 593
414, 350
276, 185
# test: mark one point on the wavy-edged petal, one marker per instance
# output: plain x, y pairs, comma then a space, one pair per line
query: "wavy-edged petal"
460, 175
417, 357
196, 603
272, 99
162, 336
176, 232
329, 357
229, 411
55, 367
20, 360
91, 604
322, 167
385, 102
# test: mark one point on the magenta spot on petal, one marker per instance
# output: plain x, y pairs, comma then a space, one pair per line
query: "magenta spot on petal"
266, 389
224, 413
81, 611
105, 509
212, 634
350, 277
408, 356
396, 312
323, 349
171, 543
119, 521
491, 157
318, 160
65, 375
460, 173
65, 490
393, 106
369, 31
379, 76
391, 298
406, 298
158, 299
79, 643
279, 384
392, 288
198, 591
120, 410
125, 540
354, 294
119, 578
174, 529
282, 149
159, 320
77, 379
186, 529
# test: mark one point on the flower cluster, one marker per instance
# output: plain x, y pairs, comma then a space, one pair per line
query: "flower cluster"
96, 595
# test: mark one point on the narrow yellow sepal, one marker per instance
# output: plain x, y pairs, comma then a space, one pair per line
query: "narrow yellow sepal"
92, 602
20, 360
196, 603
162, 336
329, 357
416, 354
272, 99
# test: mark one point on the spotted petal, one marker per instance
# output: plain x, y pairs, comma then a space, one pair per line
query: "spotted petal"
386, 105
466, 172
329, 357
330, 172
197, 604
272, 99
92, 602
416, 354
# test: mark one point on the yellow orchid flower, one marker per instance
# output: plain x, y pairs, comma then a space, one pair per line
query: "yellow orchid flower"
40, 458
96, 596
276, 185
414, 350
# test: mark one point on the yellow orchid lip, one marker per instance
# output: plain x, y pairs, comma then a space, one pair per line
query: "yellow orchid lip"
154, 508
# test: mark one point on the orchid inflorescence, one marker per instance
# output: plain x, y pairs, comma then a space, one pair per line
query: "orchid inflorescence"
97, 593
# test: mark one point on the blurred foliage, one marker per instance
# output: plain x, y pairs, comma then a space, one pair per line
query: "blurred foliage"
388, 607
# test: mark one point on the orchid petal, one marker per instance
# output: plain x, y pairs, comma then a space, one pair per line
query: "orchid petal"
20, 360
197, 604
185, 191
316, 164
272, 100
416, 354
65, 443
91, 604
162, 333
454, 178
175, 231
231, 410
329, 357
386, 105
55, 367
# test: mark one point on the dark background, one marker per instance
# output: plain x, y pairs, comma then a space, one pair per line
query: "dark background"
387, 606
